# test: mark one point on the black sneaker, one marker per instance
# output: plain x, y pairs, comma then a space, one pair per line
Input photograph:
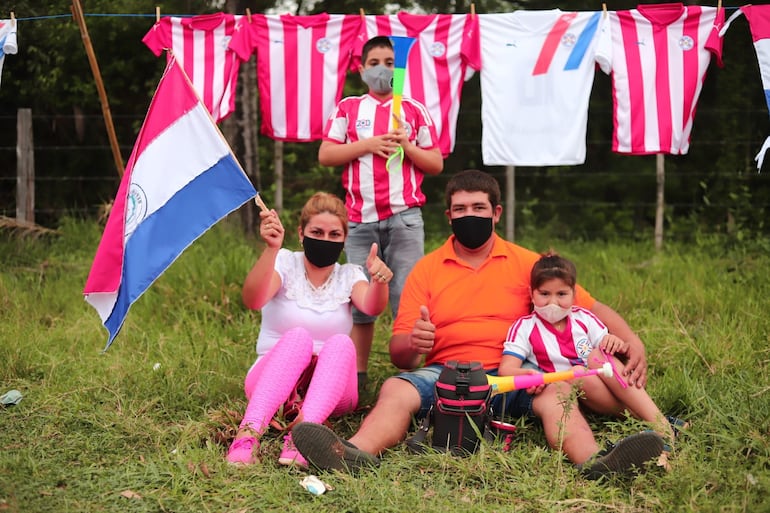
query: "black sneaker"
325, 450
626, 457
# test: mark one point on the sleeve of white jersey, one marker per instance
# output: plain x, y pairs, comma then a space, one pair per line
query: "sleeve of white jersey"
604, 43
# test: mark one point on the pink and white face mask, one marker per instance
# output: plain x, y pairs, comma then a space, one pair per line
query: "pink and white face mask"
551, 312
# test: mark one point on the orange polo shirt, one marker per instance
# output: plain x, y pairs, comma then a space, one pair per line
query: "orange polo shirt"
472, 309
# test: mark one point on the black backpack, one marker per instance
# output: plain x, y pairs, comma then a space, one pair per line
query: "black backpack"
460, 412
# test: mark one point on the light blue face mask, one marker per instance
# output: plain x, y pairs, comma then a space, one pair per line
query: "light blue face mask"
379, 78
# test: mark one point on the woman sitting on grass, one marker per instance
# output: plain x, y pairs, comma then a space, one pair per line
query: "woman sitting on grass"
306, 299
558, 336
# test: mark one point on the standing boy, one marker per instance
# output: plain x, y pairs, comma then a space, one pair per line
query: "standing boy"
383, 197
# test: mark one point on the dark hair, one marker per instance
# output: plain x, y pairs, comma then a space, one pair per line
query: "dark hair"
552, 266
375, 42
472, 180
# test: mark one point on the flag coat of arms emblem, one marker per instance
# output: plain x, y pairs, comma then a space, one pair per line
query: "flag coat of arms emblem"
180, 180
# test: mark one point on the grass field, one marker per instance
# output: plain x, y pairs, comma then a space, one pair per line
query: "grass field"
144, 427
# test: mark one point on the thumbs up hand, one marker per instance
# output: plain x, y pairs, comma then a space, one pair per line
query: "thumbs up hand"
379, 272
423, 333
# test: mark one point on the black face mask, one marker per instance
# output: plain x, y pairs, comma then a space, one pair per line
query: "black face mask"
472, 231
321, 253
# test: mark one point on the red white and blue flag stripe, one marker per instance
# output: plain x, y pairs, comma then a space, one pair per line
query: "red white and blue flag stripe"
181, 178
759, 24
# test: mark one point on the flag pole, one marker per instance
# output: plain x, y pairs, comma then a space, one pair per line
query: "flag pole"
257, 199
77, 13
260, 203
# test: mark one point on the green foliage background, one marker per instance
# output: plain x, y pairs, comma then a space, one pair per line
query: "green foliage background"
108, 432
105, 432
714, 188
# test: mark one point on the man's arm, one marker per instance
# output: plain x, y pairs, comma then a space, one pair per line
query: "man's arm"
407, 349
636, 365
401, 354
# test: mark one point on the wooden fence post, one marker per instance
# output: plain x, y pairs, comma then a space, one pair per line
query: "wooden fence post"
25, 167
510, 203
660, 174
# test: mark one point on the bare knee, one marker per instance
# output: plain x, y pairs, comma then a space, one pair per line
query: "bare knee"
399, 394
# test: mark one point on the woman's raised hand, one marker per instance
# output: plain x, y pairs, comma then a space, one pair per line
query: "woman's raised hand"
271, 229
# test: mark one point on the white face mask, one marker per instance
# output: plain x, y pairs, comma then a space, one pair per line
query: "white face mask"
552, 313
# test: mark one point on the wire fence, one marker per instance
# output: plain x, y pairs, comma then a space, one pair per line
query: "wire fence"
610, 195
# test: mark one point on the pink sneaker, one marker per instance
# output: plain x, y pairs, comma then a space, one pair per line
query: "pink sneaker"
290, 455
242, 451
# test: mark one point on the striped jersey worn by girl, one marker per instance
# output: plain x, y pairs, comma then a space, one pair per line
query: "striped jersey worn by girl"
536, 341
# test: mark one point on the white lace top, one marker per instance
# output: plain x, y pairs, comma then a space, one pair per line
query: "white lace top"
323, 311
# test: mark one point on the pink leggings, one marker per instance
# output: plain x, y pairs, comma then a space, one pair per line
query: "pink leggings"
333, 388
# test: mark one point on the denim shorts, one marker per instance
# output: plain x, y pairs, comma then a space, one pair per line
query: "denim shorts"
515, 404
401, 242
509, 405
424, 380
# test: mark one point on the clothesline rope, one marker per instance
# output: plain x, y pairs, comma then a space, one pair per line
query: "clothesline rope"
103, 15
152, 15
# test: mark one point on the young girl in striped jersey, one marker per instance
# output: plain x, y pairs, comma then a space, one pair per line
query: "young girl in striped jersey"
559, 335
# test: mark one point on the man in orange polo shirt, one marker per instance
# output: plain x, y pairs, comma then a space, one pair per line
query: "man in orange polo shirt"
457, 304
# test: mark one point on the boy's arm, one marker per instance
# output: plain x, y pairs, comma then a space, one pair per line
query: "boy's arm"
332, 153
430, 162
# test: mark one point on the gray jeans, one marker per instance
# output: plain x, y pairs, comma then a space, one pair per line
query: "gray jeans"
401, 242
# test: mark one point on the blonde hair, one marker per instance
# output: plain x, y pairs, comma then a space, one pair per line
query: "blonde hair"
323, 202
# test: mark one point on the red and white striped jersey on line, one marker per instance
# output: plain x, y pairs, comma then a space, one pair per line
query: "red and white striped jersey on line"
200, 46
301, 67
445, 54
658, 56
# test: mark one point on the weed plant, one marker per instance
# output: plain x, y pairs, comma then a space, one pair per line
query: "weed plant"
144, 426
